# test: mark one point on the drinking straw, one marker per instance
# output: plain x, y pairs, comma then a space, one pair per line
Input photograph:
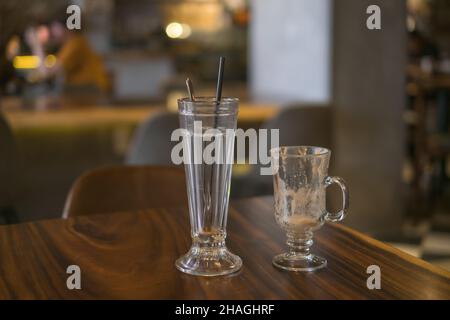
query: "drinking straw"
219, 85
220, 80
207, 193
190, 89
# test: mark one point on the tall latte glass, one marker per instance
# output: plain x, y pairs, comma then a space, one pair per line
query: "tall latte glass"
208, 147
300, 181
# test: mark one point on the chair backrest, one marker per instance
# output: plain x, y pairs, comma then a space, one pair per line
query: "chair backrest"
303, 125
151, 143
8, 159
298, 125
126, 188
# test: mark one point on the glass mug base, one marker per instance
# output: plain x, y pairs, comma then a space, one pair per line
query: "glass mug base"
209, 262
289, 262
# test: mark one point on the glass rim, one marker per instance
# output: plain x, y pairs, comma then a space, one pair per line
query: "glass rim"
208, 106
207, 101
322, 151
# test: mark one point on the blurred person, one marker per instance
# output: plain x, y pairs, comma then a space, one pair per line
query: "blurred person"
80, 65
7, 73
37, 38
13, 47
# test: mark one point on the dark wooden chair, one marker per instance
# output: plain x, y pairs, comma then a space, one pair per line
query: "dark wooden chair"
126, 188
9, 174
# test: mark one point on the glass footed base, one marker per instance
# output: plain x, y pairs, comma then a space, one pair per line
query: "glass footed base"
209, 262
292, 262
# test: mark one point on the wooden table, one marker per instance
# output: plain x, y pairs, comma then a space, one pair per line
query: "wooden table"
131, 256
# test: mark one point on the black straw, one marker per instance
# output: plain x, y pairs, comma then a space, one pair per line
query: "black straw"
190, 89
220, 80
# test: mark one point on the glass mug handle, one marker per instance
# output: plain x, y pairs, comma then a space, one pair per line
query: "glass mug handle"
340, 215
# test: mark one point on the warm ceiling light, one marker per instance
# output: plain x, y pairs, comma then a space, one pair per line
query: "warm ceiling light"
174, 30
177, 30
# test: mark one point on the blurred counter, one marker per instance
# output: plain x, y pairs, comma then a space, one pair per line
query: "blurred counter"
249, 114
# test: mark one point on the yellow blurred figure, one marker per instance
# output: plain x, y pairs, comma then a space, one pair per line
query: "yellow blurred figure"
79, 63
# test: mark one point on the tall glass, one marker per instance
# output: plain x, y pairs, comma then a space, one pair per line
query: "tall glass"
208, 147
300, 181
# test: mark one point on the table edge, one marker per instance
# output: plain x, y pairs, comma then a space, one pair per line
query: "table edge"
390, 248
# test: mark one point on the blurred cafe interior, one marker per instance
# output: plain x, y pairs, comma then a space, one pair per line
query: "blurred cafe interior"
74, 101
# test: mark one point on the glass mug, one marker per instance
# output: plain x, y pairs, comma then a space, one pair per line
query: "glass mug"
300, 181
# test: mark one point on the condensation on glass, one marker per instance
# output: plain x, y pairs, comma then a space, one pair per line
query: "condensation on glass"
300, 181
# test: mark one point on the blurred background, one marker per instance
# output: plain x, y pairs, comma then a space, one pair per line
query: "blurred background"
75, 100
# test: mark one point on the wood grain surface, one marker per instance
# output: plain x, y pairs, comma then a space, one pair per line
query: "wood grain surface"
131, 256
